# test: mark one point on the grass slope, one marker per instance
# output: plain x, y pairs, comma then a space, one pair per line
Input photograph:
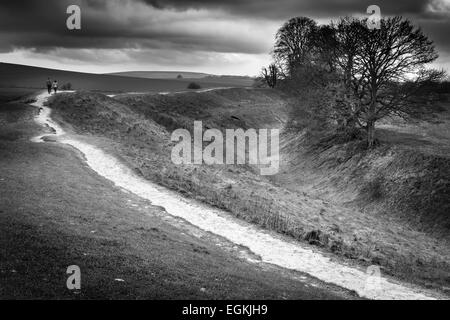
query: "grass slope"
56, 212
20, 76
160, 74
390, 182
224, 81
137, 128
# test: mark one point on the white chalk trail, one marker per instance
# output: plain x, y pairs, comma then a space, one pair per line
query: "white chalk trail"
271, 248
44, 118
164, 93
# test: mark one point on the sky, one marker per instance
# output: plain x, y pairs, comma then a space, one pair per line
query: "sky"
211, 36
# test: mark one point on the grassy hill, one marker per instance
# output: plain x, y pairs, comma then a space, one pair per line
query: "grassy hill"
20, 76
386, 207
222, 81
51, 216
139, 127
160, 74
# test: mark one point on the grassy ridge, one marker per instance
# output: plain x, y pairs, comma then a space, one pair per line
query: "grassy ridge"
13, 76
139, 129
391, 180
55, 212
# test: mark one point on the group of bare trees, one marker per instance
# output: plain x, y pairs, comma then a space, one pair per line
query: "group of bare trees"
361, 74
271, 75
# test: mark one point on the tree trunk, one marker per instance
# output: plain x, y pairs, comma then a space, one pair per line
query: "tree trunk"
372, 111
370, 134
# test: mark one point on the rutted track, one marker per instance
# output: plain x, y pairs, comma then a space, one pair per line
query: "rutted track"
270, 247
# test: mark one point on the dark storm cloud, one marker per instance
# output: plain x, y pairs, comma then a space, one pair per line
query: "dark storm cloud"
42, 25
283, 9
433, 15
227, 26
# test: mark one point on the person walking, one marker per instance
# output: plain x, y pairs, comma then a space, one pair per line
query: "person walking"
49, 86
55, 86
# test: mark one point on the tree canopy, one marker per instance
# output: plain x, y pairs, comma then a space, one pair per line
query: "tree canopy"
372, 73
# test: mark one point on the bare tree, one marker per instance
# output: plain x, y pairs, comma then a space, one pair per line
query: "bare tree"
294, 43
372, 73
348, 38
271, 75
324, 46
387, 69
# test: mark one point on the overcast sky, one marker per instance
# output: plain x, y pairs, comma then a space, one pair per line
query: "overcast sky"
213, 36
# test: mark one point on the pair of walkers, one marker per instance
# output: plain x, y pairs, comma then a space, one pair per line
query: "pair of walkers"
52, 86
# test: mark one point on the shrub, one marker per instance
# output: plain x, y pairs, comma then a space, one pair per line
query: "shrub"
193, 85
67, 86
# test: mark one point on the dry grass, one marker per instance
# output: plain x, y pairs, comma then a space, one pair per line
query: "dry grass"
55, 212
296, 203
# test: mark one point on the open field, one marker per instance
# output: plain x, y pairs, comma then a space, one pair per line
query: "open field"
430, 137
136, 128
51, 216
13, 94
224, 81
18, 76
160, 74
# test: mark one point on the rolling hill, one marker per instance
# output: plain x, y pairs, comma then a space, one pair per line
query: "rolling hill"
223, 80
160, 74
21, 76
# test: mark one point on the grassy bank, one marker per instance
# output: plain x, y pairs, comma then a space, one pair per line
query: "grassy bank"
392, 181
21, 76
137, 129
56, 212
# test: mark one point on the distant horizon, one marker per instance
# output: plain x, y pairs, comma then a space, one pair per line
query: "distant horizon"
126, 71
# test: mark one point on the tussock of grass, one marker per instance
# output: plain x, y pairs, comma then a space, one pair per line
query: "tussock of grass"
194, 85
